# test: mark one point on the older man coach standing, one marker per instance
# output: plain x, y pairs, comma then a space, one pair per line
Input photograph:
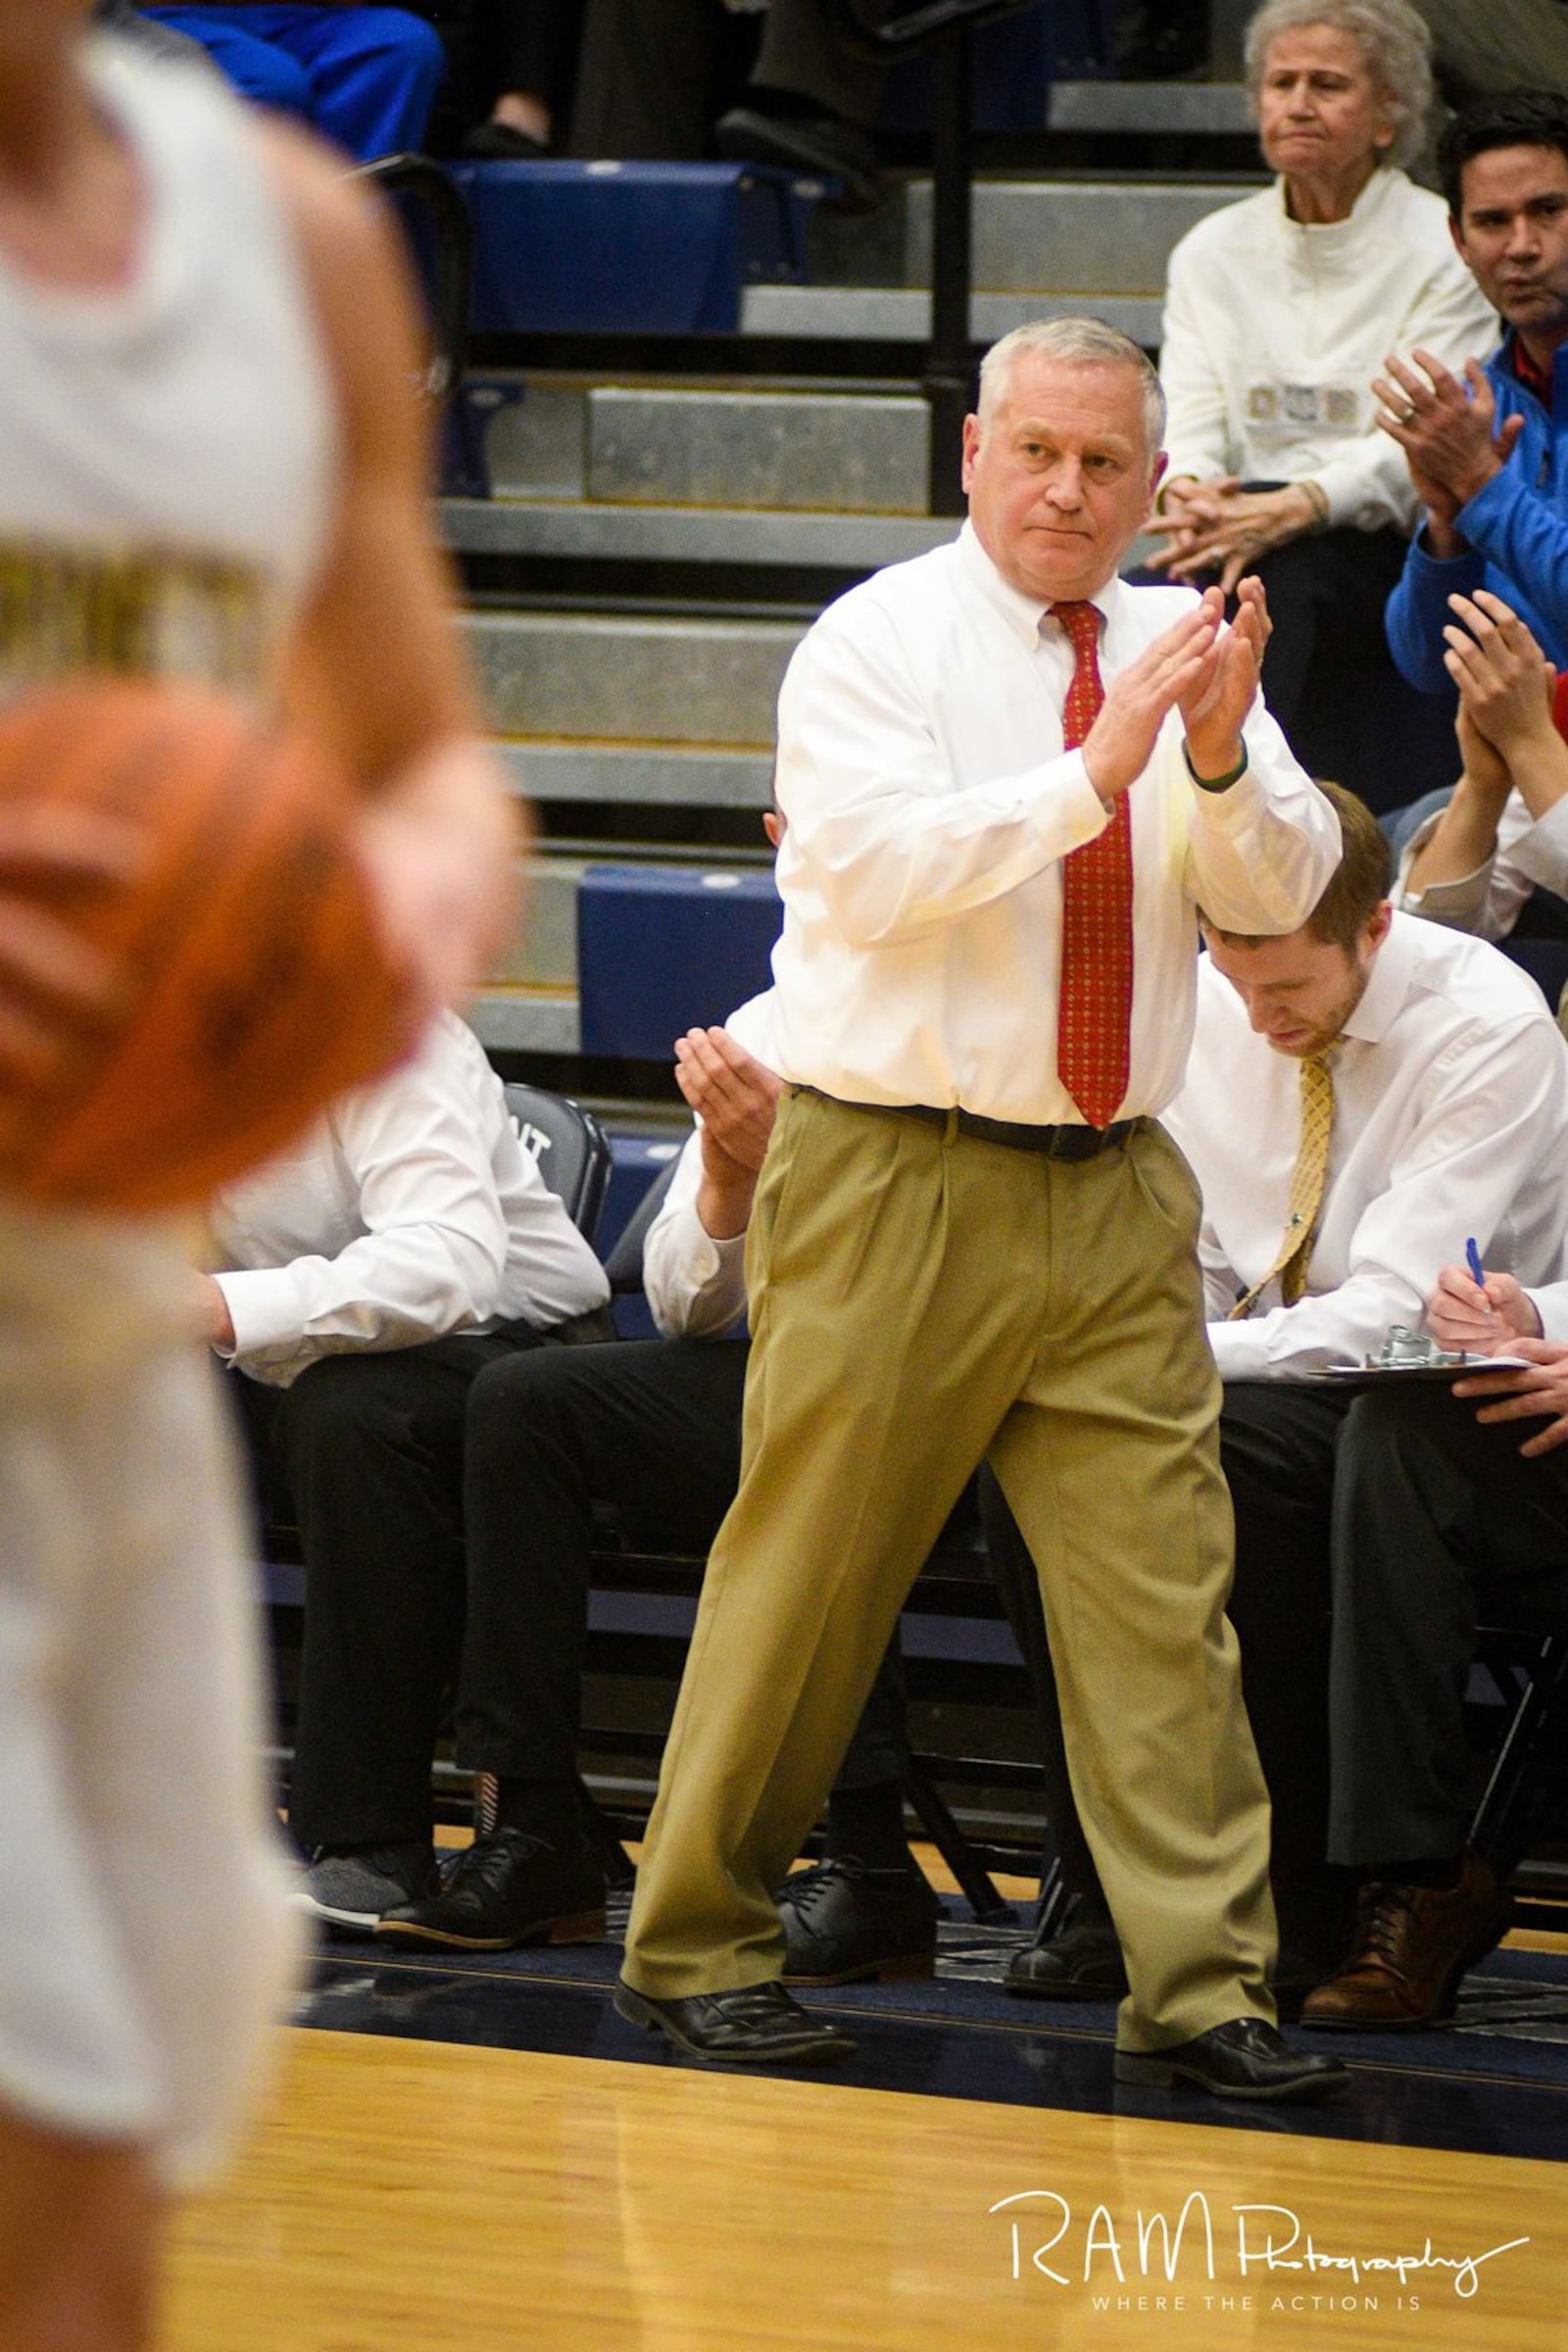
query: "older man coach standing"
970, 1238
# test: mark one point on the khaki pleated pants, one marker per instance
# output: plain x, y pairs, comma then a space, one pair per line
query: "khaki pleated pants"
921, 1299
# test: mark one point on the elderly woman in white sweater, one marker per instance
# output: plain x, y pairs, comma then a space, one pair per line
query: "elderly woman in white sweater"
1278, 311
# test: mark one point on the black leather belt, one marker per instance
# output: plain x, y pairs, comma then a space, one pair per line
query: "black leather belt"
1051, 1142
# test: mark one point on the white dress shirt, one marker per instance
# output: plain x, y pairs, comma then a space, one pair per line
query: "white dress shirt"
408, 1212
1532, 852
930, 804
696, 1286
1450, 1123
1274, 329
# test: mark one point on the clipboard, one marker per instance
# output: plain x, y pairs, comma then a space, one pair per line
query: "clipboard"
1373, 1376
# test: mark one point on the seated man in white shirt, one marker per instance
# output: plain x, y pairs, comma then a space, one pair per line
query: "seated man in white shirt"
1363, 1095
653, 1428
370, 1274
1493, 858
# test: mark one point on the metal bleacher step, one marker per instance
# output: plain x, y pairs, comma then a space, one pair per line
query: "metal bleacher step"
639, 774
903, 315
1156, 109
1043, 247
662, 678
851, 543
794, 447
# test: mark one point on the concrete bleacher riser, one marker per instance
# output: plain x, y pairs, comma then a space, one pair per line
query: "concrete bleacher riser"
682, 680
1086, 237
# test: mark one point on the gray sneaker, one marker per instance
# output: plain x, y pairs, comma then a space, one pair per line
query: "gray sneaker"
350, 1891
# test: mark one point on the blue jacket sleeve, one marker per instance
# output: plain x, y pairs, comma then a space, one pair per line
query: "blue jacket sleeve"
1519, 533
1419, 606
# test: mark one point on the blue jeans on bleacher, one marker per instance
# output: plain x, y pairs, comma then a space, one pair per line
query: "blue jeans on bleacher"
365, 77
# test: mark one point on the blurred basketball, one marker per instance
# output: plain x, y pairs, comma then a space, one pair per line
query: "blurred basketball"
257, 984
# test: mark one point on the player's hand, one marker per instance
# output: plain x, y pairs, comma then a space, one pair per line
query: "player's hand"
1121, 742
1481, 1318
1540, 1393
58, 989
1216, 704
214, 1322
443, 846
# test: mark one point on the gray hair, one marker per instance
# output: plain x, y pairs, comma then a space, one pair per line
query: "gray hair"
1080, 343
1395, 42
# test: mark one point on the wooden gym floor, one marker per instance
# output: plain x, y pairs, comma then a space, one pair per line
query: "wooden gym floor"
413, 2187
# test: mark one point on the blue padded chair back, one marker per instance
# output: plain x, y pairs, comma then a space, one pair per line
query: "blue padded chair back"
568, 1147
624, 1264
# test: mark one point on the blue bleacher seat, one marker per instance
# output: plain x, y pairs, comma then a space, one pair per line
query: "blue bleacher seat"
629, 248
664, 949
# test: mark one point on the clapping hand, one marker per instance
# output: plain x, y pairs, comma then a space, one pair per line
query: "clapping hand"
1449, 431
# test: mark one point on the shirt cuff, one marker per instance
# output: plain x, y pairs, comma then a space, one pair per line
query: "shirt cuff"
1551, 1305
1241, 1351
1541, 853
265, 1308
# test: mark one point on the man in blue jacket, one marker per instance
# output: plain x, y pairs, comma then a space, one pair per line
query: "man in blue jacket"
1489, 454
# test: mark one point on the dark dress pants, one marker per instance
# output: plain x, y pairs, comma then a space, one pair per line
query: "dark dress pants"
1330, 679
1278, 1443
654, 75
363, 1454
1433, 1512
649, 1427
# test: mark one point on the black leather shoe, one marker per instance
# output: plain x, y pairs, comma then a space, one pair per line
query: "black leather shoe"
505, 1888
1246, 2059
843, 1923
805, 141
1081, 1963
758, 2026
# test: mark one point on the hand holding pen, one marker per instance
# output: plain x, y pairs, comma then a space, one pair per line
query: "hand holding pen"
1482, 1313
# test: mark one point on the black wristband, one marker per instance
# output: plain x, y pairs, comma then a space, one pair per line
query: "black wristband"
1215, 783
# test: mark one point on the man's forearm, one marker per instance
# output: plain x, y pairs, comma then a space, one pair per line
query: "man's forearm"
1463, 840
724, 1209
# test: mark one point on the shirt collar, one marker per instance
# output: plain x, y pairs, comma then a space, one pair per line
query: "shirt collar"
1022, 613
1387, 986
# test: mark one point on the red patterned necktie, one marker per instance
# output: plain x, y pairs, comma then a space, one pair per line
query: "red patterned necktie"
1094, 1018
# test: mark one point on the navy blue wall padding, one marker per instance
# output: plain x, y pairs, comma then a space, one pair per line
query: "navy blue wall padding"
1015, 63
645, 249
664, 949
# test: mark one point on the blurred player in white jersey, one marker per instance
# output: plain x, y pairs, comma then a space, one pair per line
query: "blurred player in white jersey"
210, 466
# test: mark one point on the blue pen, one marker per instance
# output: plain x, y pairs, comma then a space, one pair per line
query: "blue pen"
1472, 1258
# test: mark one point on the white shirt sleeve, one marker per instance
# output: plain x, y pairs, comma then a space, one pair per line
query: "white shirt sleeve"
1260, 853
696, 1286
405, 1170
1528, 853
1494, 1108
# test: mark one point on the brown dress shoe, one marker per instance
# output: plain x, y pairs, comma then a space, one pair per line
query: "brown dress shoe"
1413, 1944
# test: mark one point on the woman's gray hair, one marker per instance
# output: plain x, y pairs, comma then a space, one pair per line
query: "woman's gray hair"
1392, 39
1080, 343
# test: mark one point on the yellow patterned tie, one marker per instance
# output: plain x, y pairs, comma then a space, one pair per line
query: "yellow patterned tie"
1309, 1179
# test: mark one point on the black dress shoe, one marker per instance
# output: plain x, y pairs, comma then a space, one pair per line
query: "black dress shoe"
804, 141
1083, 1963
505, 1888
844, 1923
758, 2025
1246, 2059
